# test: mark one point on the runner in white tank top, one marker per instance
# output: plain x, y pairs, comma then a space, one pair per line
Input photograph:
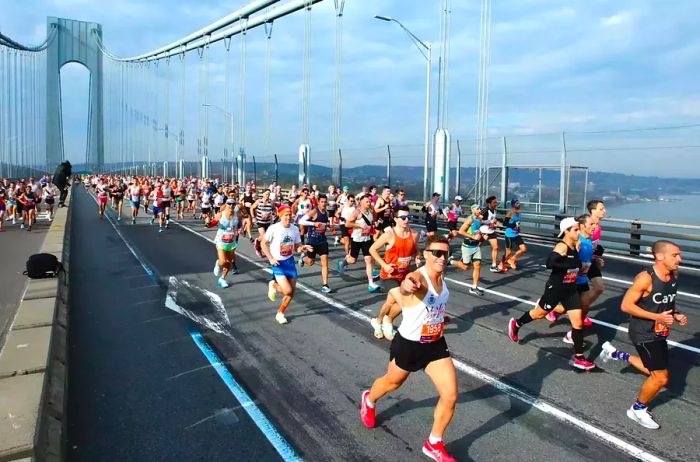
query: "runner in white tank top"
420, 344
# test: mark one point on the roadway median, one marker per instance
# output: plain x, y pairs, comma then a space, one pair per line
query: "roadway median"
33, 362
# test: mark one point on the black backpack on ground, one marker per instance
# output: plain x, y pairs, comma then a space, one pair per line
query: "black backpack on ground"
43, 265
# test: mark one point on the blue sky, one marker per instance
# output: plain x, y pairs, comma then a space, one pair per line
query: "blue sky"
577, 66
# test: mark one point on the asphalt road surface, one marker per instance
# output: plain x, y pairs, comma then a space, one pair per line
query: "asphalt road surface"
145, 386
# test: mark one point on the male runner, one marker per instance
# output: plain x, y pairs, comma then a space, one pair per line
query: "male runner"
401, 247
263, 210
491, 221
651, 304
432, 210
316, 222
361, 224
514, 242
134, 199
420, 344
281, 241
383, 210
454, 213
596, 208
471, 248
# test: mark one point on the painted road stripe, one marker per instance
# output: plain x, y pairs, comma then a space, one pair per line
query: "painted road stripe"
283, 448
485, 377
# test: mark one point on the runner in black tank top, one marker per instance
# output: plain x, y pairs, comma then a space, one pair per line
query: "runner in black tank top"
316, 222
651, 304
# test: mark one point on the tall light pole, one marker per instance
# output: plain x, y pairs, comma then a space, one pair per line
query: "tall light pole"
426, 50
230, 116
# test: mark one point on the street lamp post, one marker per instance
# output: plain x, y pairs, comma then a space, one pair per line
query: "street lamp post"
230, 116
426, 50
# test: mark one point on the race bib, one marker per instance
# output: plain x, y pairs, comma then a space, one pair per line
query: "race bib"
660, 329
228, 237
431, 332
570, 276
286, 250
402, 264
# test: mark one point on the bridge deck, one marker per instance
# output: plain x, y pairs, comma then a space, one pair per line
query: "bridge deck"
141, 389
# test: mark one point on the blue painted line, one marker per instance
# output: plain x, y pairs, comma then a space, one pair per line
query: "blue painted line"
283, 448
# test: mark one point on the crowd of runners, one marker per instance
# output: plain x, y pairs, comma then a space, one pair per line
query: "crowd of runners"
291, 229
22, 201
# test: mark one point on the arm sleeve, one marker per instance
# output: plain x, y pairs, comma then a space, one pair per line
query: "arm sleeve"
305, 221
599, 251
557, 261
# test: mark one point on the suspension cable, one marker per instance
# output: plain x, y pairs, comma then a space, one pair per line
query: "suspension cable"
266, 109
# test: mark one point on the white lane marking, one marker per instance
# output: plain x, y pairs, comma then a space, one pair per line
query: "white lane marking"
629, 283
533, 304
483, 376
283, 448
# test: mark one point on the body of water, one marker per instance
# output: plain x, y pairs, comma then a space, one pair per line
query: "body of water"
680, 210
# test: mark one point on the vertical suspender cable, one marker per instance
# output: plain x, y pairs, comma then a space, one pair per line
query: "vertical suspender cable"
206, 98
244, 46
227, 104
200, 102
181, 140
3, 151
266, 109
166, 116
307, 71
337, 95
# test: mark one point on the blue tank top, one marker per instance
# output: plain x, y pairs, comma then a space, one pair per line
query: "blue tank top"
585, 253
314, 236
514, 229
476, 224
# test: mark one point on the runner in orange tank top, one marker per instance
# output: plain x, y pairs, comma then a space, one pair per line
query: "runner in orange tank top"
401, 247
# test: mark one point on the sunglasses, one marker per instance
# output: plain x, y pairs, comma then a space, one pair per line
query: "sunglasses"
405, 217
438, 253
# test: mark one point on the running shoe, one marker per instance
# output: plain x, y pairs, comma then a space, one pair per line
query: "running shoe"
377, 328
504, 268
119, 218
495, 269
217, 268
450, 259
222, 283
388, 330
161, 230
336, 241
340, 266
513, 330
301, 260
606, 353
551, 316
258, 248
587, 322
582, 363
476, 291
511, 263
437, 452
133, 222
153, 220
233, 270
21, 226
372, 288
325, 289
271, 292
643, 417
366, 412
375, 273
281, 318
567, 339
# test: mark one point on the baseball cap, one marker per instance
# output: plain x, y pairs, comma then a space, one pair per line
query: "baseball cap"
436, 194
458, 198
346, 188
474, 207
514, 201
565, 224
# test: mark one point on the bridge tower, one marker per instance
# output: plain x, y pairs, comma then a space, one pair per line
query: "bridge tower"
75, 42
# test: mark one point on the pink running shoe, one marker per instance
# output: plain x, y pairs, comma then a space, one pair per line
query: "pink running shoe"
437, 452
366, 412
587, 322
583, 364
551, 316
513, 330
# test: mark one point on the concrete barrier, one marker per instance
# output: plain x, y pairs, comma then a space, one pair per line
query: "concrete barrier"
33, 363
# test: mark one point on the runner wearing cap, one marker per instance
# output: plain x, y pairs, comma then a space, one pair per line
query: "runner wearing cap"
281, 241
228, 221
454, 212
491, 233
514, 242
432, 210
565, 263
471, 248
420, 344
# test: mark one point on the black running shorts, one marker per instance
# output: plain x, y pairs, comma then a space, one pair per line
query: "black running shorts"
319, 249
355, 248
388, 284
594, 271
431, 225
554, 294
414, 356
654, 354
514, 242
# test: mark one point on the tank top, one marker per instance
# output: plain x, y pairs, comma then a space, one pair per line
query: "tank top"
363, 234
317, 236
226, 234
167, 193
566, 277
304, 206
514, 229
332, 201
468, 241
454, 213
399, 255
585, 252
263, 213
345, 214
425, 322
661, 298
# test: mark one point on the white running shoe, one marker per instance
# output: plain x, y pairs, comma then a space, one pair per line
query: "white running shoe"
271, 292
223, 283
642, 417
388, 330
280, 318
377, 328
607, 352
217, 268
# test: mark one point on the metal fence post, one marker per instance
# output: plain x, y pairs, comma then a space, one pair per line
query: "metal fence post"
340, 168
388, 165
504, 172
562, 176
635, 234
276, 170
458, 172
255, 172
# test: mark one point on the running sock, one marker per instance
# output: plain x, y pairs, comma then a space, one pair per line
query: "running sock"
369, 402
524, 319
621, 355
577, 337
638, 405
283, 307
434, 439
